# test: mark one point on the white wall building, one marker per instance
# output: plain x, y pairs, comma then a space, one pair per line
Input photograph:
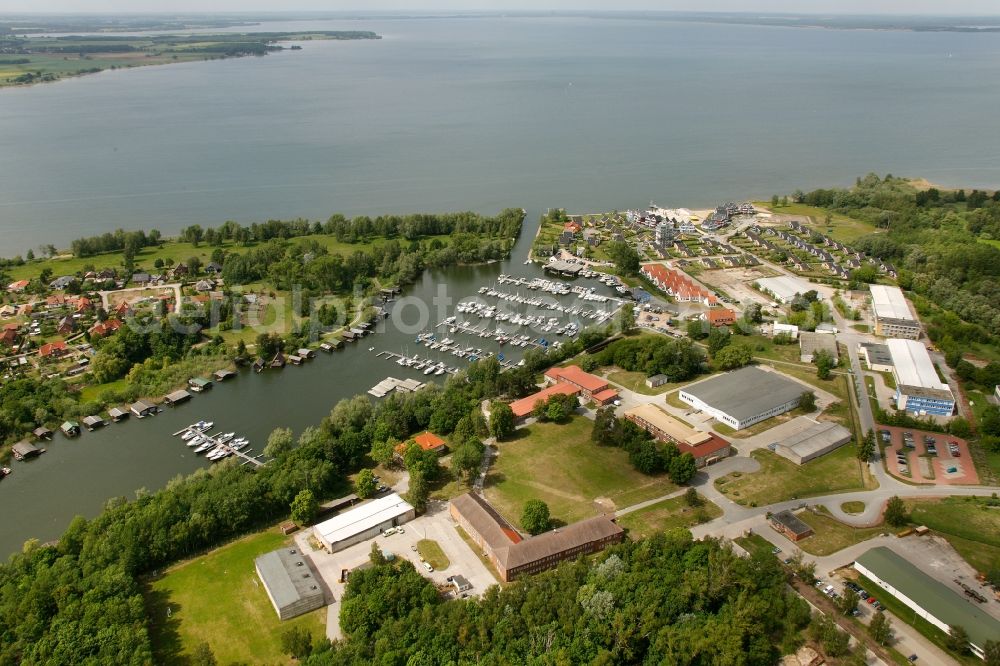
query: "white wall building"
363, 522
919, 390
785, 287
893, 318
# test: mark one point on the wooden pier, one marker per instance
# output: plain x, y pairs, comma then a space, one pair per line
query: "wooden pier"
244, 454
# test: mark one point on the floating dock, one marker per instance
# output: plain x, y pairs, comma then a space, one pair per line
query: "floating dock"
244, 454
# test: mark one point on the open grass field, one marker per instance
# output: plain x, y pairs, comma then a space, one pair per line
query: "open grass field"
842, 228
779, 479
970, 525
831, 535
636, 381
667, 515
431, 551
217, 598
558, 464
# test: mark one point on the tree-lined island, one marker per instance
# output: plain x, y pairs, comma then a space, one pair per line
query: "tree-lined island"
25, 60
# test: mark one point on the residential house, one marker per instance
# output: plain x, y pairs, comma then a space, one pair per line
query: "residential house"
53, 349
721, 317
62, 282
66, 325
18, 287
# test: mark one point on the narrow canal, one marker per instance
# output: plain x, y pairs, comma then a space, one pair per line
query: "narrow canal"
77, 476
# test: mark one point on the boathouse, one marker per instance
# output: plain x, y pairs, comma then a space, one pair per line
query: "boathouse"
25, 450
118, 413
278, 361
199, 384
42, 433
223, 375
177, 397
142, 409
295, 359
92, 422
70, 428
305, 353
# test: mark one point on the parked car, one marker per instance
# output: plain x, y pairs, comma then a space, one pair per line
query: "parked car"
427, 565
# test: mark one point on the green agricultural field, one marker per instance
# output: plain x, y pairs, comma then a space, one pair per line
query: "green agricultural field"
779, 479
831, 535
667, 515
558, 464
969, 524
217, 598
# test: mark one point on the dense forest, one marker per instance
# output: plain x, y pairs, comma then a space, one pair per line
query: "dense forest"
664, 600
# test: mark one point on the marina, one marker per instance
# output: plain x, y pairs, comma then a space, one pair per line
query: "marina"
217, 447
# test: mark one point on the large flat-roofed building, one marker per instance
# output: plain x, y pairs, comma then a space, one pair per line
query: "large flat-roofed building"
877, 357
513, 556
289, 581
928, 598
363, 522
893, 318
919, 390
810, 343
705, 447
816, 439
784, 288
744, 397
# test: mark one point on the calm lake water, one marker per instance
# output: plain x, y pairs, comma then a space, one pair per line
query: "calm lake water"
478, 114
455, 114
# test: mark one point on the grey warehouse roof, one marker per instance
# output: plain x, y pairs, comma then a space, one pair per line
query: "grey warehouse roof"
816, 437
746, 392
287, 576
930, 594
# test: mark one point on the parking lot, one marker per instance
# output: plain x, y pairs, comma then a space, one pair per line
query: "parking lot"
927, 457
436, 524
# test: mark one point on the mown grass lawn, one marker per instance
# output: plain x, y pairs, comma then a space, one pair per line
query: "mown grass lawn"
431, 551
218, 599
831, 535
558, 464
667, 515
842, 228
969, 524
779, 479
636, 381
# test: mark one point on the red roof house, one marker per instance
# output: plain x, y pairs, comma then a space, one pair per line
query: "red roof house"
721, 317
427, 441
53, 349
592, 386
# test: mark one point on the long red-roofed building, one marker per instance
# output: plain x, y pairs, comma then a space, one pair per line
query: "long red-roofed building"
522, 408
677, 284
591, 386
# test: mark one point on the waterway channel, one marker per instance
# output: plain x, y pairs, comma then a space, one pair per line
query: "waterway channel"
77, 476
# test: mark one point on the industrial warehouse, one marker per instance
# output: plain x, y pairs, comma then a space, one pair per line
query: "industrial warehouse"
744, 397
513, 556
927, 597
363, 522
892, 315
807, 439
919, 390
289, 582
